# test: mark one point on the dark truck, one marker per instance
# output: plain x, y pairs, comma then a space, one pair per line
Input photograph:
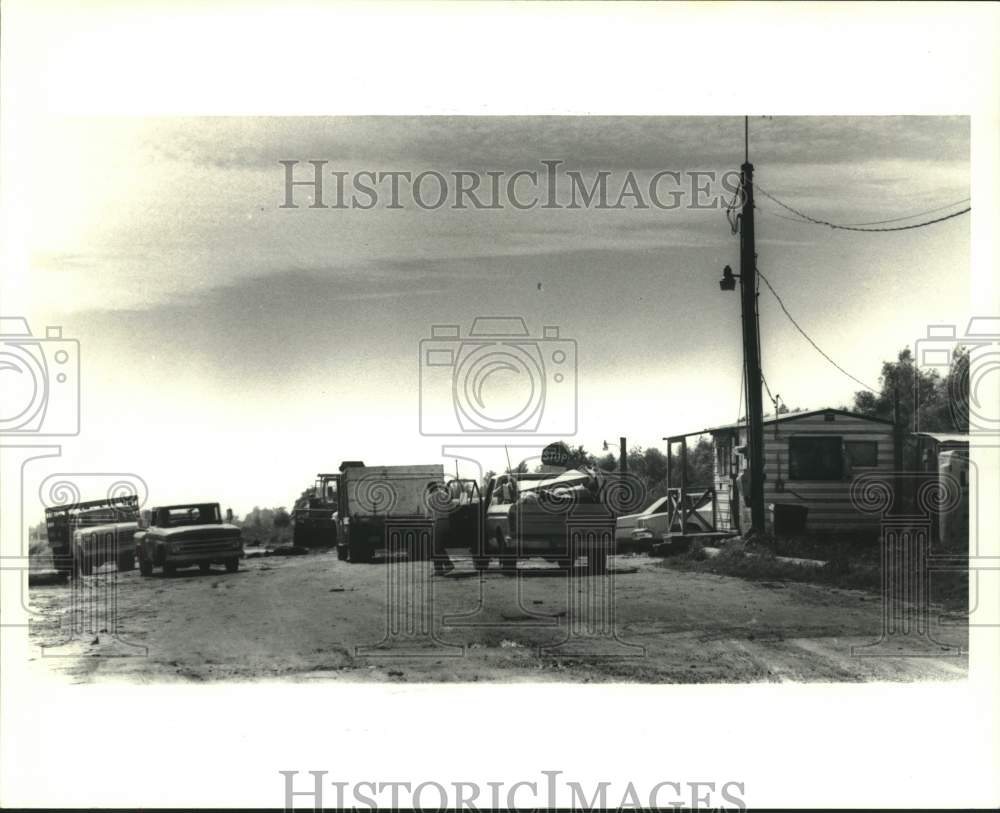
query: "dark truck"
314, 517
86, 535
185, 535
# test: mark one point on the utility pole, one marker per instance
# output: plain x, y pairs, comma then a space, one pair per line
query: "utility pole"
622, 456
751, 344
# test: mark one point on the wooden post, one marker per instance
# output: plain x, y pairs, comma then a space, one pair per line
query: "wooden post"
684, 465
751, 351
670, 461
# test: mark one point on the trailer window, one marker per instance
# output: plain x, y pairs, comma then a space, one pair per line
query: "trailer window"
862, 454
815, 458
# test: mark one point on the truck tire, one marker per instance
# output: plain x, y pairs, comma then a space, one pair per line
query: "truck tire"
360, 554
232, 565
481, 562
204, 567
145, 566
342, 553
126, 561
169, 570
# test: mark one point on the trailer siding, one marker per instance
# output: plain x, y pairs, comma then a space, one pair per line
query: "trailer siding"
828, 501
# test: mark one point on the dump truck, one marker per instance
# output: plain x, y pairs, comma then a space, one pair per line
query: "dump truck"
189, 534
368, 497
314, 517
86, 535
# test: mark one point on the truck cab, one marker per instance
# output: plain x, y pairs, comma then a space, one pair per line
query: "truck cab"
185, 535
314, 517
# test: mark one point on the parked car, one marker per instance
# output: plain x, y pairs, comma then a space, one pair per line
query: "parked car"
652, 525
184, 535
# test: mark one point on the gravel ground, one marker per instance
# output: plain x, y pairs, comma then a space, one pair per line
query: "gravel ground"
316, 618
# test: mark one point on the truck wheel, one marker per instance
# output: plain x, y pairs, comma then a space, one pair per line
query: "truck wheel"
232, 565
126, 561
342, 553
481, 562
204, 567
145, 566
359, 554
169, 570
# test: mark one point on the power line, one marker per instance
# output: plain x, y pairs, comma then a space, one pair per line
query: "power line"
844, 227
734, 222
769, 213
808, 339
915, 214
767, 388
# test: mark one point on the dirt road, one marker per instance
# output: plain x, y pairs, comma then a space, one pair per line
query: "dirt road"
314, 617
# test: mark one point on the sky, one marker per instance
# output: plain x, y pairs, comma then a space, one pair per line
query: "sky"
232, 348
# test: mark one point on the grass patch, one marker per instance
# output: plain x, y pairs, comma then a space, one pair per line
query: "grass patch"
846, 567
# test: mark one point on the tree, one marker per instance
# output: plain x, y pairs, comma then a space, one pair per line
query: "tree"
927, 401
282, 519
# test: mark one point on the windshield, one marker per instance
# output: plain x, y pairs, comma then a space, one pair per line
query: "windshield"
188, 515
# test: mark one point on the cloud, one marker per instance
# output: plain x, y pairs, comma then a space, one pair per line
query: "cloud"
635, 142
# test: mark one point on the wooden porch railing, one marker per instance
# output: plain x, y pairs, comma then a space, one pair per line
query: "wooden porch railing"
682, 504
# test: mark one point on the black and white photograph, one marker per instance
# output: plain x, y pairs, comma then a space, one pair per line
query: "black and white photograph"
516, 452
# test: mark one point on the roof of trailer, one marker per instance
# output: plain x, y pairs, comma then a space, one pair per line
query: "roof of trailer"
787, 416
